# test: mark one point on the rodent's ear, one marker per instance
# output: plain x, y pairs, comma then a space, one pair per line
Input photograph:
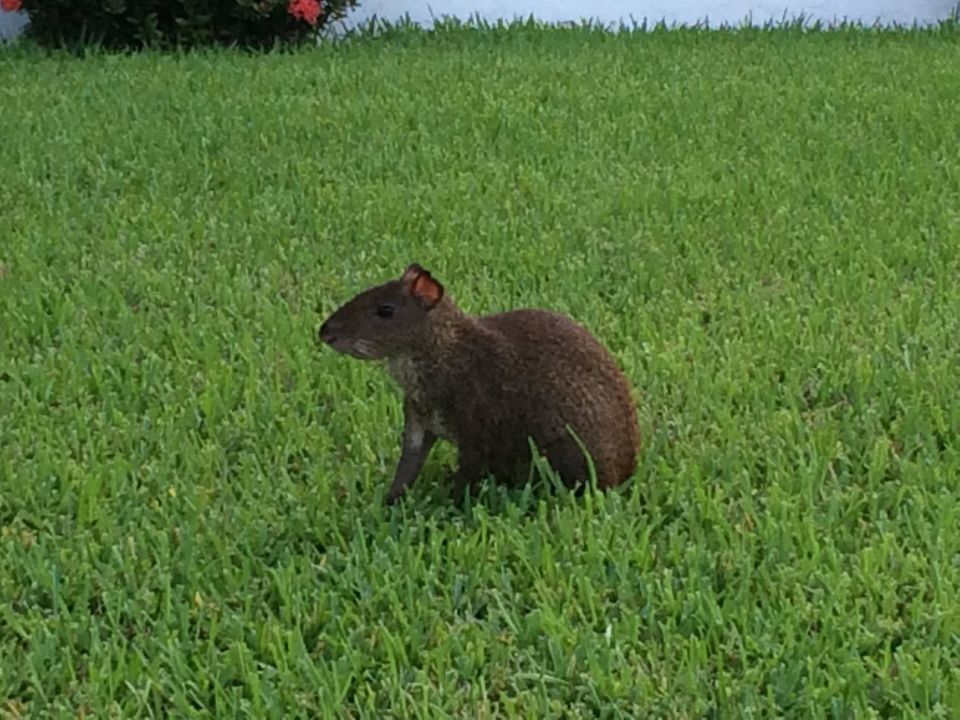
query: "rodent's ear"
411, 273
422, 286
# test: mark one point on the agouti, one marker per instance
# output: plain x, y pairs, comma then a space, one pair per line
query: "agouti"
491, 384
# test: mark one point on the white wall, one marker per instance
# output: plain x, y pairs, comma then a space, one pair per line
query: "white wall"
683, 12
712, 12
11, 24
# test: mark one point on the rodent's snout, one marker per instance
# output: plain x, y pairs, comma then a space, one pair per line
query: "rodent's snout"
325, 334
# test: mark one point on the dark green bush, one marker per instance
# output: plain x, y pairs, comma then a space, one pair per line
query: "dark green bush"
126, 24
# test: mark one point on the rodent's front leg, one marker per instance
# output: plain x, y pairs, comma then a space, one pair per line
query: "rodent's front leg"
417, 442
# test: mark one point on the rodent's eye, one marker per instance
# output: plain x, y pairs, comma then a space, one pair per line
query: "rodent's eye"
385, 311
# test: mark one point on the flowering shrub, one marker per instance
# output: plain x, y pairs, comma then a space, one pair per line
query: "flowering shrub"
306, 10
176, 23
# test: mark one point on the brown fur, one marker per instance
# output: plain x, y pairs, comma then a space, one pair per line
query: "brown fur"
489, 383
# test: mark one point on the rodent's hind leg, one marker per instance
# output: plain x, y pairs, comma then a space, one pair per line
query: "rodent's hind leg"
469, 472
568, 461
417, 442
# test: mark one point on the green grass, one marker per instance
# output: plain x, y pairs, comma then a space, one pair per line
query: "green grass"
764, 227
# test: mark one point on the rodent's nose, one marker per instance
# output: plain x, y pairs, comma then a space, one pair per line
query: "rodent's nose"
325, 334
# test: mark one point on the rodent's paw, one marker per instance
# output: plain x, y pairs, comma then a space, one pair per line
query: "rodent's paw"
392, 499
458, 493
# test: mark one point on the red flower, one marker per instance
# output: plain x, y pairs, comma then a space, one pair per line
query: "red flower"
306, 10
11, 5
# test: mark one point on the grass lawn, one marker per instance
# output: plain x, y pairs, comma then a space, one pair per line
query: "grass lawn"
764, 227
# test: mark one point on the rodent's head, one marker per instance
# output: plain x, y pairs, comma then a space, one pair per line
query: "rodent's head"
388, 320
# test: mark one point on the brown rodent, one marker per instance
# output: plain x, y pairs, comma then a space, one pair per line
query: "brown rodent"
490, 384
